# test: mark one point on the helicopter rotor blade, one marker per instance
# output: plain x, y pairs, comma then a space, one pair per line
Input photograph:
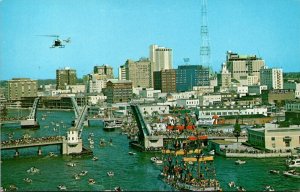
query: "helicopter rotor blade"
49, 35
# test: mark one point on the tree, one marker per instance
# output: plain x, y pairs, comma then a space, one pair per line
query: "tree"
237, 130
3, 112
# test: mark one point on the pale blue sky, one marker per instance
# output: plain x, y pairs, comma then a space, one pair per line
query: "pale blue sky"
112, 31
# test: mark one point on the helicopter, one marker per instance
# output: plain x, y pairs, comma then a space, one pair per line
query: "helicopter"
60, 43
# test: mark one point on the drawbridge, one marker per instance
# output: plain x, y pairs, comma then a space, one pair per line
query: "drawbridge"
31, 121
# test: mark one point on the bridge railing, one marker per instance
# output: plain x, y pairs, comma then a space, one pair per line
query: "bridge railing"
31, 142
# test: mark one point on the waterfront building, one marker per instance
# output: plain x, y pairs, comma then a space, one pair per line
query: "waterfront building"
150, 109
95, 83
104, 72
165, 80
96, 99
272, 77
209, 112
273, 137
188, 76
161, 58
21, 87
277, 96
187, 103
118, 91
139, 72
206, 100
65, 77
243, 65
148, 92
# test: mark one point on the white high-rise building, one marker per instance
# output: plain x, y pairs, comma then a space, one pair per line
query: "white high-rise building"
272, 77
161, 57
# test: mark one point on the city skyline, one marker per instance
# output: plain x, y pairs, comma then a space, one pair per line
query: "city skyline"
110, 32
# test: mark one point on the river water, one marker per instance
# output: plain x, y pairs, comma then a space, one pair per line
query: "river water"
131, 172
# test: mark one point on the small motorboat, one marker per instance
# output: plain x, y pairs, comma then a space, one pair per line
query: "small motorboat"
131, 153
239, 162
27, 180
269, 188
110, 173
231, 184
95, 158
92, 146
156, 160
83, 173
118, 188
92, 181
77, 177
212, 152
294, 163
33, 170
240, 188
292, 173
52, 154
273, 171
71, 164
62, 187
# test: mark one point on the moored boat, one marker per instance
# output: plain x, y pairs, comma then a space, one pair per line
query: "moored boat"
294, 163
239, 162
274, 171
91, 181
292, 173
156, 160
110, 173
62, 187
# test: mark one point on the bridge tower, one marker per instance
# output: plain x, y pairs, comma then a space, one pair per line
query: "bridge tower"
31, 121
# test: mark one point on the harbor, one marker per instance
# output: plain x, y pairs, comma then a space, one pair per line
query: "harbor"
131, 172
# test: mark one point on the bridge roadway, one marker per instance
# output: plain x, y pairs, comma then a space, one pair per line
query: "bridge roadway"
140, 121
31, 142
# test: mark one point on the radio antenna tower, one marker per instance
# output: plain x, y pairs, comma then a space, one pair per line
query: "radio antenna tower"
205, 48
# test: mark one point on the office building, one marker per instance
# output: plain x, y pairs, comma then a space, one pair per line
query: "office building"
243, 65
21, 87
272, 77
165, 80
139, 72
161, 58
104, 72
118, 91
188, 76
65, 77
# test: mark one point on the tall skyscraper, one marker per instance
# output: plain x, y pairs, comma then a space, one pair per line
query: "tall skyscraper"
241, 66
21, 87
272, 77
161, 58
139, 72
65, 77
188, 76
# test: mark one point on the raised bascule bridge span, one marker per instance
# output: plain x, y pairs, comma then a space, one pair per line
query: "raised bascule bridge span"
70, 144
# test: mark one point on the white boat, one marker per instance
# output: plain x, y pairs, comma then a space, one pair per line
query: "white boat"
27, 180
77, 177
294, 163
292, 173
52, 154
274, 171
156, 160
95, 158
83, 173
231, 184
212, 152
269, 188
239, 162
110, 173
71, 164
92, 181
91, 142
33, 170
131, 153
62, 187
